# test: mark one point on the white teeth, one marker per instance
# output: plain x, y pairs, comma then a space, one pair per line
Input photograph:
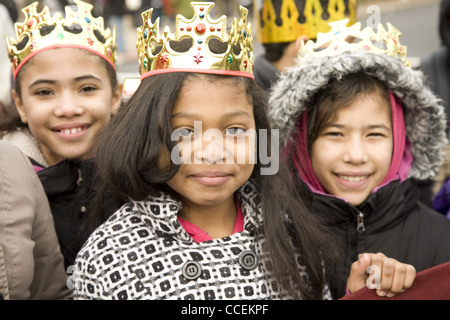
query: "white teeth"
71, 131
353, 178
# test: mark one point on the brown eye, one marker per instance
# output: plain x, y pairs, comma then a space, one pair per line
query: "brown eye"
88, 89
43, 92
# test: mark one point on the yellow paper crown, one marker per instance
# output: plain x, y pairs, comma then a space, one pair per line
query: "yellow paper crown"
79, 29
291, 28
342, 39
157, 55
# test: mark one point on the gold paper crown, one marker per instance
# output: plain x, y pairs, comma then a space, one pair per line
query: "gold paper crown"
290, 29
79, 29
198, 58
342, 38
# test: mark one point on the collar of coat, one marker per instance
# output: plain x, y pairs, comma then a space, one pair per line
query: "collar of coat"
382, 210
27, 143
160, 212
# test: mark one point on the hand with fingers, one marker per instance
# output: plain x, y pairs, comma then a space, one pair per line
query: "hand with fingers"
376, 271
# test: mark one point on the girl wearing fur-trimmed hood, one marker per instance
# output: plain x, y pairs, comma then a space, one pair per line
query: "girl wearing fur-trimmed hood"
311, 96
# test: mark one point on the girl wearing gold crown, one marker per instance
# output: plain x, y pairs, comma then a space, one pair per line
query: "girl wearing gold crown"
65, 91
202, 221
360, 127
284, 24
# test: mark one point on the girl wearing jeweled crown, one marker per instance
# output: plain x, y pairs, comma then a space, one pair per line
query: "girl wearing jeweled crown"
65, 92
202, 221
360, 127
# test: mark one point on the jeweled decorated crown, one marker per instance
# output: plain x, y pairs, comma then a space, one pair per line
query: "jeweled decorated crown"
342, 38
294, 21
79, 29
159, 53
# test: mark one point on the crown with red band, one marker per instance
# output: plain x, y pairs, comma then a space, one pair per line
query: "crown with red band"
160, 53
79, 29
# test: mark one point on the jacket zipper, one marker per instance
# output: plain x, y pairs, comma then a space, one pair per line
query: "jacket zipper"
360, 227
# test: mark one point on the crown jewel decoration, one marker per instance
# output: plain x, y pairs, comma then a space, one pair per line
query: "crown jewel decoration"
198, 58
78, 29
291, 28
342, 38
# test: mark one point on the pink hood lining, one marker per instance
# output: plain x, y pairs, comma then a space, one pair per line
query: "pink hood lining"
401, 158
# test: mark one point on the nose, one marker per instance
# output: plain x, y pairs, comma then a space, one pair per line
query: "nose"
355, 151
211, 148
67, 106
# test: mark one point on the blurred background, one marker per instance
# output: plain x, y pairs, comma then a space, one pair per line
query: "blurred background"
416, 19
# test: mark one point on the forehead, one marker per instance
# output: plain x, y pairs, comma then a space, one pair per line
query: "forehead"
62, 60
213, 96
370, 105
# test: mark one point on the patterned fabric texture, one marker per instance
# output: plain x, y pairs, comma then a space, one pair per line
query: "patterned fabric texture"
142, 252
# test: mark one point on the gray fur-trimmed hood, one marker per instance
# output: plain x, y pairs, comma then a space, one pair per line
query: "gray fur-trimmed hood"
425, 117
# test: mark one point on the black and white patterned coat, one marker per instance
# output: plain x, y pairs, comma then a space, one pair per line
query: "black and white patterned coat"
143, 252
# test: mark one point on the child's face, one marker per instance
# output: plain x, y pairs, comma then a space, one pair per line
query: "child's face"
67, 100
352, 155
217, 158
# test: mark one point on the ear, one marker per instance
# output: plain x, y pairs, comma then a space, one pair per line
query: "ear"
20, 107
116, 99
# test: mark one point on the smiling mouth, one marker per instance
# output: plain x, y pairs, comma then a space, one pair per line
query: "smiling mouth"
72, 130
353, 178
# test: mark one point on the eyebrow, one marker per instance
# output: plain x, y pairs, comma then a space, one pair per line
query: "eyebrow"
198, 116
372, 126
78, 79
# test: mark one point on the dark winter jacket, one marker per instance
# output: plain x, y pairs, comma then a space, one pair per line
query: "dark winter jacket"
391, 221
69, 192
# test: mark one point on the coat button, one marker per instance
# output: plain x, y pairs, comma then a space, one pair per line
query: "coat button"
248, 260
192, 270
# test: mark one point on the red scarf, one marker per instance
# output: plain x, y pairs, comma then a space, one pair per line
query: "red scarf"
200, 236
